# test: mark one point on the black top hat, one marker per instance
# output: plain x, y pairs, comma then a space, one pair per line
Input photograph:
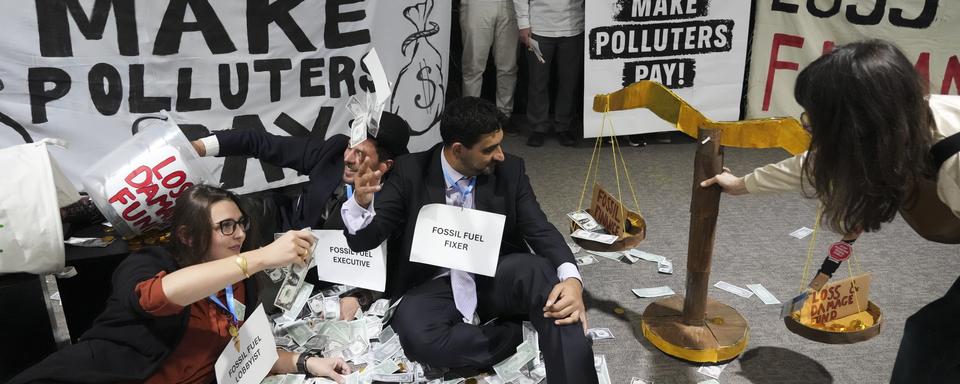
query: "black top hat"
393, 135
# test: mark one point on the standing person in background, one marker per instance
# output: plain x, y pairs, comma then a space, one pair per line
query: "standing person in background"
557, 28
485, 24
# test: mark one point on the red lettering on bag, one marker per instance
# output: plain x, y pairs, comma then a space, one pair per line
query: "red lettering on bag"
147, 178
127, 211
121, 196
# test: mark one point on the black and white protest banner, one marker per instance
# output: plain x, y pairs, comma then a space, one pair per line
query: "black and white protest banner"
458, 238
93, 71
250, 358
789, 34
697, 48
336, 263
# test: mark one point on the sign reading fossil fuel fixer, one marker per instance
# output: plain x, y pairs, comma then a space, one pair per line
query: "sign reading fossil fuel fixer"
250, 357
458, 238
336, 263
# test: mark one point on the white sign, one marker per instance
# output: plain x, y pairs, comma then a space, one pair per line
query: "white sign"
789, 34
91, 71
458, 238
336, 263
257, 352
696, 48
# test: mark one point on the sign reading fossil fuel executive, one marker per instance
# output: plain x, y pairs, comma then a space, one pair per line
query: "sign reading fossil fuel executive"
697, 48
93, 72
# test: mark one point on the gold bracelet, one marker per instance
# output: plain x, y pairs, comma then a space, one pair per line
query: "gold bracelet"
242, 263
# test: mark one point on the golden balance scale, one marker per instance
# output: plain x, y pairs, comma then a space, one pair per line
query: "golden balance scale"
694, 327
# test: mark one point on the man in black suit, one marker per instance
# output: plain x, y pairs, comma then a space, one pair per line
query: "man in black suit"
331, 165
438, 315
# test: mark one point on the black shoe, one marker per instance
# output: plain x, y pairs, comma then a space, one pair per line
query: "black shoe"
636, 141
535, 139
510, 128
567, 139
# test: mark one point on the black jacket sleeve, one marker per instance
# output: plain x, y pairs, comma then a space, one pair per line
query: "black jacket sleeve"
297, 153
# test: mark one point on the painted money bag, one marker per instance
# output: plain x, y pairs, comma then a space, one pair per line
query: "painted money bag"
420, 83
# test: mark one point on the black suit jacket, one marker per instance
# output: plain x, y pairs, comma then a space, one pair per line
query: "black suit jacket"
322, 160
417, 180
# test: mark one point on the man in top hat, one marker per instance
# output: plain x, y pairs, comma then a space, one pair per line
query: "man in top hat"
331, 165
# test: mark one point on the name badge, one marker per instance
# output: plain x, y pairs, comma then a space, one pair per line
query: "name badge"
458, 238
336, 263
250, 360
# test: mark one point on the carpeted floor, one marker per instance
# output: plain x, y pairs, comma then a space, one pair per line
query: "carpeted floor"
752, 246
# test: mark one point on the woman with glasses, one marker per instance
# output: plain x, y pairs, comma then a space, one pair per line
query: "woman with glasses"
879, 144
167, 320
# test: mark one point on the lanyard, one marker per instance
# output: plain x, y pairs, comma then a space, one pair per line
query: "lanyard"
464, 192
230, 306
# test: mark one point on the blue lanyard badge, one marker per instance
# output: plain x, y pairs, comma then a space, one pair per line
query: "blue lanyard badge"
464, 192
230, 307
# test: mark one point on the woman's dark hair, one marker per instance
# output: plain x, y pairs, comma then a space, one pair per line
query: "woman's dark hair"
465, 119
871, 130
192, 212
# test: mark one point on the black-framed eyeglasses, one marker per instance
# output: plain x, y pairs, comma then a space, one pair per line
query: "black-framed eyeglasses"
805, 122
229, 226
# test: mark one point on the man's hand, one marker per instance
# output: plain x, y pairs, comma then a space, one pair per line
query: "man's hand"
367, 181
348, 307
334, 368
728, 182
565, 303
525, 37
199, 147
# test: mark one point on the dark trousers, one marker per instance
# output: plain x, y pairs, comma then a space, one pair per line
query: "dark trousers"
930, 347
432, 331
568, 52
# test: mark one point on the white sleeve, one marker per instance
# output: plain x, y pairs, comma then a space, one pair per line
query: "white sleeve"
522, 9
356, 217
778, 177
211, 145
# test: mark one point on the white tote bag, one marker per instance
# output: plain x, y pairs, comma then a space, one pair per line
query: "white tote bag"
31, 194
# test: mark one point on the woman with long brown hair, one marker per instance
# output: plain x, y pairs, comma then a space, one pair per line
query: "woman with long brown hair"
879, 144
173, 309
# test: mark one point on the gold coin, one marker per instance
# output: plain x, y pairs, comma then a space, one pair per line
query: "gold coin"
856, 323
717, 320
619, 311
107, 239
838, 328
471, 381
108, 230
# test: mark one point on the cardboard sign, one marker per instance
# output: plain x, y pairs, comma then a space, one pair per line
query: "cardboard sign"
336, 263
458, 238
837, 300
607, 210
257, 352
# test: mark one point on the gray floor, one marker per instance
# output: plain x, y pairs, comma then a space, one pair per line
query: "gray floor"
752, 246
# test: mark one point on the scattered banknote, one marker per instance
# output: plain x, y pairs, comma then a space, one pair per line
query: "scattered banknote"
89, 242
763, 294
294, 379
629, 258
387, 349
733, 289
599, 333
393, 377
299, 332
801, 233
637, 380
386, 334
574, 248
585, 260
331, 308
316, 304
296, 308
530, 334
509, 369
584, 220
665, 266
275, 379
600, 363
607, 255
379, 307
592, 236
709, 381
646, 255
653, 292
712, 370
